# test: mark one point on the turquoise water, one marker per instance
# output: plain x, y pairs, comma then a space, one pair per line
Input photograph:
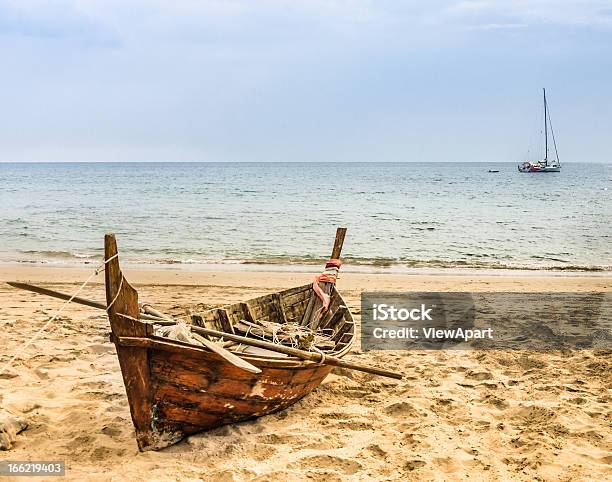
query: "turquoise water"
404, 214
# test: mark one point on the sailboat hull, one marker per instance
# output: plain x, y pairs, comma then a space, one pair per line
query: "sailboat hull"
537, 167
546, 169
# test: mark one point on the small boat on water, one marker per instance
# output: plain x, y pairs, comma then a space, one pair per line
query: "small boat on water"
175, 388
546, 164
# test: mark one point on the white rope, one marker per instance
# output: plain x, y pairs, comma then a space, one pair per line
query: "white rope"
320, 352
19, 351
110, 305
246, 335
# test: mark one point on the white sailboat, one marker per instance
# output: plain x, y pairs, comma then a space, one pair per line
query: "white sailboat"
546, 164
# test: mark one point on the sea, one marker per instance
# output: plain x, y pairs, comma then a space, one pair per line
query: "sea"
400, 216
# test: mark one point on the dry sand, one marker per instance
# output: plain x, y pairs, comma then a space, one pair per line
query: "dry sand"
482, 415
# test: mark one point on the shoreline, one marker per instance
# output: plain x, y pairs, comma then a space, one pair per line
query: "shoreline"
374, 265
301, 268
355, 282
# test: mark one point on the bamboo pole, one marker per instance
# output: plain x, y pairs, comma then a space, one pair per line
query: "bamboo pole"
65, 296
211, 345
304, 355
150, 314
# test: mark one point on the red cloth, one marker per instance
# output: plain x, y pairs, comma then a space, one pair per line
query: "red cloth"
329, 277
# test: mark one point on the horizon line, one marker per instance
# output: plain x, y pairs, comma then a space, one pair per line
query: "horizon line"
289, 162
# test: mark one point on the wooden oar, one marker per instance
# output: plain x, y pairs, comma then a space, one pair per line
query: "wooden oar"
77, 299
304, 355
150, 314
211, 345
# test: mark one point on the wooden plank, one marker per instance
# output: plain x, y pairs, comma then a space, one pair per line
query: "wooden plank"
195, 416
234, 394
296, 297
224, 318
235, 312
121, 298
208, 319
308, 311
336, 318
246, 311
338, 242
293, 291
282, 317
178, 347
334, 302
205, 369
168, 414
294, 313
344, 328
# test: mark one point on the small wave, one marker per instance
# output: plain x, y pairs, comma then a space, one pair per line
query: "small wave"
59, 254
474, 261
550, 258
188, 261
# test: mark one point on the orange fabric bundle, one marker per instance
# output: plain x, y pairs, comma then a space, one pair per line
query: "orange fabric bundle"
329, 275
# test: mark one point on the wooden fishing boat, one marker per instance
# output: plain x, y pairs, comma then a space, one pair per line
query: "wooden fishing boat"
175, 388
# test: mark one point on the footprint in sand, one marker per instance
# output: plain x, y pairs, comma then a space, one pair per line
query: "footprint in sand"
26, 406
349, 415
279, 439
356, 425
80, 443
96, 395
376, 451
8, 374
414, 464
112, 430
295, 442
532, 416
480, 376
261, 452
447, 465
98, 348
233, 474
497, 402
102, 453
337, 464
401, 410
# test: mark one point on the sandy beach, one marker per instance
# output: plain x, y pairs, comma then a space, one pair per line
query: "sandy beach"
477, 415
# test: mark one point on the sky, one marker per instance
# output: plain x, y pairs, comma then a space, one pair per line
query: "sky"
296, 80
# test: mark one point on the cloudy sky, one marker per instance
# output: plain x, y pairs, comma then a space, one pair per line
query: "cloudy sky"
296, 80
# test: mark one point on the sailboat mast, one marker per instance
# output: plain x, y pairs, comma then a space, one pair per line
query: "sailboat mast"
545, 129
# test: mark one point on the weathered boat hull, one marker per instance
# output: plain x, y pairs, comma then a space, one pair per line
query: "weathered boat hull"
196, 393
175, 389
